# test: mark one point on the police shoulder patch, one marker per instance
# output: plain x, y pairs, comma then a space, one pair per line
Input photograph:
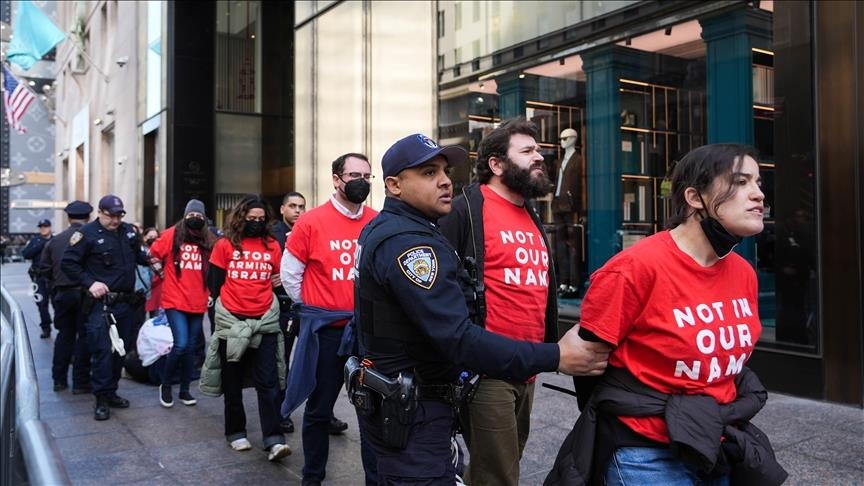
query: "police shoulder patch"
420, 265
76, 237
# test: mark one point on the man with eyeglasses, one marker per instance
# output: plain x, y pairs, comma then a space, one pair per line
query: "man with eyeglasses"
101, 257
318, 274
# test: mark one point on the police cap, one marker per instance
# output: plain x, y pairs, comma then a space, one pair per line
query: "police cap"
79, 210
44, 222
418, 149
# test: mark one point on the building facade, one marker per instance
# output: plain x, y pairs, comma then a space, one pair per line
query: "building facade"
213, 100
28, 192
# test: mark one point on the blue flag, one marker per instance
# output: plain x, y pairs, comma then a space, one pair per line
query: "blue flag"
33, 36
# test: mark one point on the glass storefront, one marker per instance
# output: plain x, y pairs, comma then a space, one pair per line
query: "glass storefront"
638, 106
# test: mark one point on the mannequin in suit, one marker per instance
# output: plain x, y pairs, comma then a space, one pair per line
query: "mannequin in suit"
567, 210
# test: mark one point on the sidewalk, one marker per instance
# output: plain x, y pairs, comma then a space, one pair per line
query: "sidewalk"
818, 443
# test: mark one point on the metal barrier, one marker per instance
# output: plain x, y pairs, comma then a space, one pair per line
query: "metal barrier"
29, 451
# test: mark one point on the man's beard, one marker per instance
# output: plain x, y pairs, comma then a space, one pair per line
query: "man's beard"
520, 181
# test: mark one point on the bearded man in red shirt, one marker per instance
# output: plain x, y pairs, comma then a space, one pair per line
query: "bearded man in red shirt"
492, 223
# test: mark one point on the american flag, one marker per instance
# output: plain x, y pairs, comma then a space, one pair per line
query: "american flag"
16, 100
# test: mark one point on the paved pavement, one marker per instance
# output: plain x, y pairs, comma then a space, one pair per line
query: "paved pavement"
818, 443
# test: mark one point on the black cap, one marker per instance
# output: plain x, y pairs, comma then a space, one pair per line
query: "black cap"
417, 149
112, 205
44, 222
79, 210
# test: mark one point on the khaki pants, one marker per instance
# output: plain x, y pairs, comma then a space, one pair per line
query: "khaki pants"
500, 423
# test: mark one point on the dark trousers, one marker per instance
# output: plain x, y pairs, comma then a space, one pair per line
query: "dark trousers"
106, 363
284, 317
319, 406
427, 459
262, 362
42, 298
70, 346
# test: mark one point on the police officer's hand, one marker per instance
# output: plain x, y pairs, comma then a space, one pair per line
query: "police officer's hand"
581, 357
98, 290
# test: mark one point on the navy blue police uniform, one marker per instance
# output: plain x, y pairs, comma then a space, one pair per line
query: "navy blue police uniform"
33, 252
412, 316
95, 254
70, 346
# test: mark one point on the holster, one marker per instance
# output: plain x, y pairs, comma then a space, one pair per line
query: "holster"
87, 302
398, 399
396, 421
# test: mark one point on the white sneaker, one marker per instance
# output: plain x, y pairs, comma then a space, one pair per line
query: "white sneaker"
241, 444
278, 451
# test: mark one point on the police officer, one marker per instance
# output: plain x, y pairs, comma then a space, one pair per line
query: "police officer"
413, 321
66, 298
101, 257
32, 252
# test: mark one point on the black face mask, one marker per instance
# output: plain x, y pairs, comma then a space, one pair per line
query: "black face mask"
722, 241
253, 228
356, 190
150, 242
194, 223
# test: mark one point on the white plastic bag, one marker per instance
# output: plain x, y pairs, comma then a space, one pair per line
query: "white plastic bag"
154, 340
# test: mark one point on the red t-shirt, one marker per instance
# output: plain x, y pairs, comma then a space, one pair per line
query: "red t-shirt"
324, 240
187, 291
515, 270
247, 290
678, 327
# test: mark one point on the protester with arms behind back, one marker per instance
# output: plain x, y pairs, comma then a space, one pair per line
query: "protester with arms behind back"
33, 252
183, 252
70, 345
293, 205
491, 223
681, 311
413, 319
243, 266
101, 257
317, 272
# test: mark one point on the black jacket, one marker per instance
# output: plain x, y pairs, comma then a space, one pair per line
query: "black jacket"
464, 228
695, 422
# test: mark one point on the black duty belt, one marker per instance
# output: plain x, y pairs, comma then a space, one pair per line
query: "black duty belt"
443, 393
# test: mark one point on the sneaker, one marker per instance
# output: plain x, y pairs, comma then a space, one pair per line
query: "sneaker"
241, 444
165, 397
187, 399
278, 451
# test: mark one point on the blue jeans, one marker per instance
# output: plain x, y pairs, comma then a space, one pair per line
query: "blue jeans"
185, 327
319, 406
650, 465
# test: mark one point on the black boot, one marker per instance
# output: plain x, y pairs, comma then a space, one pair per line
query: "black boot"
102, 410
116, 401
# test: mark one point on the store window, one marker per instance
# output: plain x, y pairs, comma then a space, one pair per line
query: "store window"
238, 56
663, 86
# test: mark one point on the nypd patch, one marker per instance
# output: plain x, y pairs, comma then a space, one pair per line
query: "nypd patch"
76, 237
420, 265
